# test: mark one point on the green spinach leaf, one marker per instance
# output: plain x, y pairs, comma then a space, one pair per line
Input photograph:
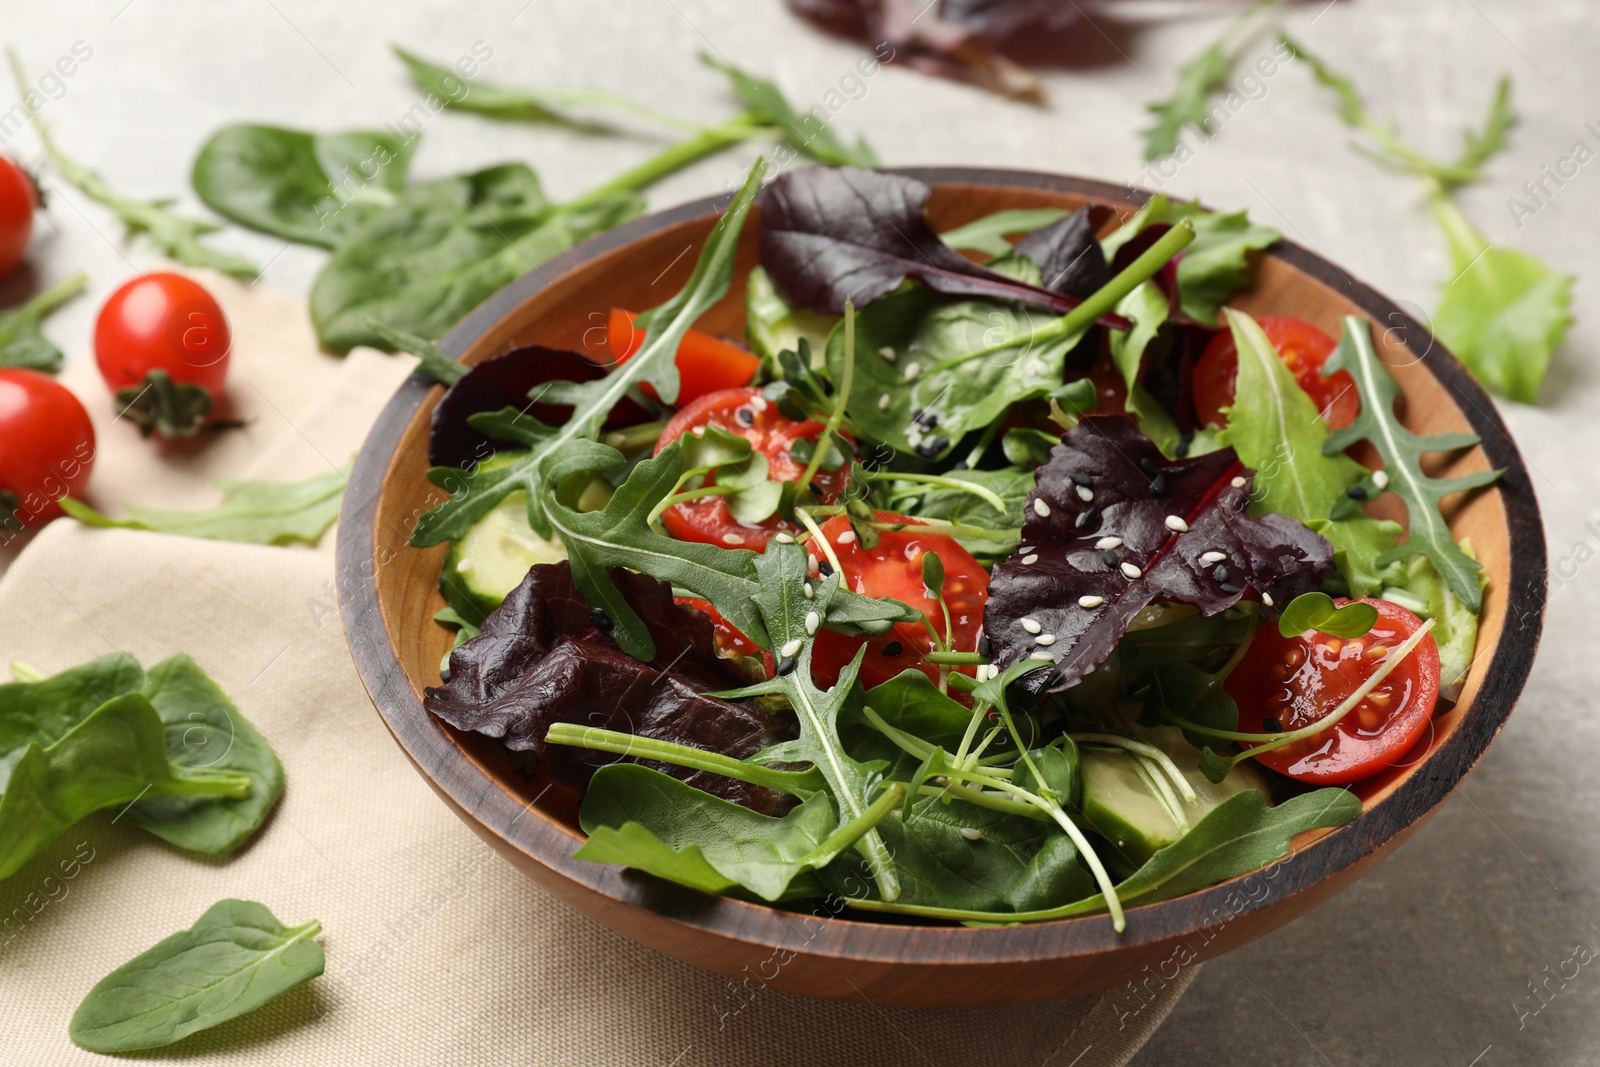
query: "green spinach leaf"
313, 188
234, 959
22, 339
255, 513
39, 713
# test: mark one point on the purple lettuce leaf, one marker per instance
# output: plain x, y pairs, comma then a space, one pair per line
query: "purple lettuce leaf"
1114, 526
834, 234
1068, 253
540, 659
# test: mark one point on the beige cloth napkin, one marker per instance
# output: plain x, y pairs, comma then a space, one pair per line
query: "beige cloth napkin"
438, 951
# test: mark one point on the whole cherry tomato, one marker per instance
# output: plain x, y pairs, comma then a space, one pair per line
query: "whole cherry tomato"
162, 344
46, 445
17, 204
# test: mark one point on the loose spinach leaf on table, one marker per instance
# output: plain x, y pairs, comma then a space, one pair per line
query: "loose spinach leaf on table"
234, 959
116, 755
22, 339
1402, 453
444, 247
206, 733
1114, 526
313, 188
256, 513
1277, 430
1216, 265
41, 712
807, 133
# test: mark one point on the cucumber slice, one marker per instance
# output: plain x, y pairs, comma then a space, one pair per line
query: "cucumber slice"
493, 557
1120, 807
772, 326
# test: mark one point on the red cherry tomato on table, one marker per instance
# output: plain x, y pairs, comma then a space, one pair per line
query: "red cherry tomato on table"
169, 324
746, 413
1296, 681
1303, 349
17, 204
46, 445
706, 364
893, 568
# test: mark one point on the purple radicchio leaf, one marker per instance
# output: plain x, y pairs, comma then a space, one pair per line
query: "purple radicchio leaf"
540, 659
1067, 252
1114, 526
834, 234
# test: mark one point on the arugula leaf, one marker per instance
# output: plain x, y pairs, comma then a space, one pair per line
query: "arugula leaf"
988, 234
1198, 80
234, 959
177, 237
1402, 453
116, 755
1146, 307
1315, 611
255, 513
806, 133
312, 188
206, 732
22, 339
1277, 430
477, 493
1216, 265
1504, 312
444, 247
652, 822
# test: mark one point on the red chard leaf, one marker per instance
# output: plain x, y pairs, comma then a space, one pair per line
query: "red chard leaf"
834, 234
1114, 526
1068, 253
541, 658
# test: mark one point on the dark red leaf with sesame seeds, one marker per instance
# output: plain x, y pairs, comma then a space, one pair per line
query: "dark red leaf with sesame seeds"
1114, 526
543, 657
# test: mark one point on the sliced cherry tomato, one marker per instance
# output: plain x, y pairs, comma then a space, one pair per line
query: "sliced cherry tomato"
1295, 681
1303, 349
893, 568
746, 413
706, 364
163, 324
46, 445
730, 641
17, 205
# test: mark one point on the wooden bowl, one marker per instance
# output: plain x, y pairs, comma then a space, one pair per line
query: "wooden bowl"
387, 595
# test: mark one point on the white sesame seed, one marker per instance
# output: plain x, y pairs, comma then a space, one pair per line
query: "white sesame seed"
912, 370
813, 620
1238, 483
1040, 508
784, 538
1213, 556
463, 565
1029, 625
972, 833
1043, 656
810, 592
1030, 559
846, 538
1090, 601
790, 647
887, 353
1380, 479
1266, 598
1131, 571
758, 403
1085, 494
732, 539
1108, 542
1176, 524
1045, 639
883, 402
812, 565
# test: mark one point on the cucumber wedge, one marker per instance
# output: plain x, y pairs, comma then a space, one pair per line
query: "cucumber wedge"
493, 557
772, 326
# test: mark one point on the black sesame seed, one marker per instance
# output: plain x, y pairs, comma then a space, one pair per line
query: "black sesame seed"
927, 420
931, 448
745, 416
1220, 574
985, 646
1183, 445
1110, 557
893, 648
601, 620
824, 568
1158, 485
1088, 517
1229, 588
1148, 465
1356, 492
1273, 726
785, 665
1085, 480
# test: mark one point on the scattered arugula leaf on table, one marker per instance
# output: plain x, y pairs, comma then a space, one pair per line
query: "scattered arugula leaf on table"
22, 339
804, 132
1200, 79
256, 513
234, 959
1402, 453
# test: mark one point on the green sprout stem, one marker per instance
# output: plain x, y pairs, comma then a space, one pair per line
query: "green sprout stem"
825, 438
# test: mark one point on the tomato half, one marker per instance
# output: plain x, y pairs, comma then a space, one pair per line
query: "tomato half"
1295, 681
16, 214
46, 445
706, 364
893, 568
746, 413
1303, 349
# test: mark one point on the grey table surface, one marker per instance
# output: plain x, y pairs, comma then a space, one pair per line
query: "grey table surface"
1434, 957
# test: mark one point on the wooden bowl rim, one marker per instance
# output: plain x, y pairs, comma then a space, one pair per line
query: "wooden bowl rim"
498, 811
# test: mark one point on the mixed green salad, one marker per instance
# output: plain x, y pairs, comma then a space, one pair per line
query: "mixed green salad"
1003, 575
